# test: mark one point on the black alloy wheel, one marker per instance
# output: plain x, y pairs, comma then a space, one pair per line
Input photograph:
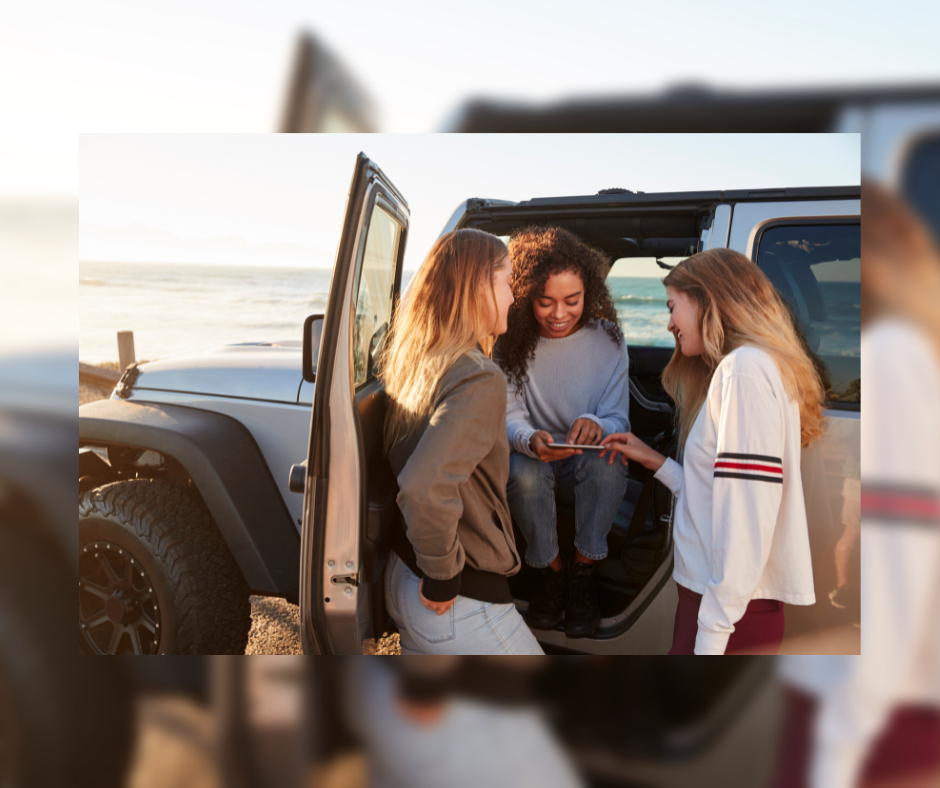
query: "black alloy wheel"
155, 575
118, 611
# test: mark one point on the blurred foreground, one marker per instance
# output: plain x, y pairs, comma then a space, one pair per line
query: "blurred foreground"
630, 721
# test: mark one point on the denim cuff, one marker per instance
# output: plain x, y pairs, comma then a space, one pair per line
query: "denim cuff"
441, 590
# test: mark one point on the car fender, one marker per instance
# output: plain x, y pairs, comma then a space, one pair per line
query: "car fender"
227, 468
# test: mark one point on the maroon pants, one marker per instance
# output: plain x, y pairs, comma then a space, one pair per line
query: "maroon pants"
908, 746
760, 631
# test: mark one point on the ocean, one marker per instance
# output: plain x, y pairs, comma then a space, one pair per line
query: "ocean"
178, 310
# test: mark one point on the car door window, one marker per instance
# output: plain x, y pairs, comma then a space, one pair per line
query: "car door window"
376, 294
817, 269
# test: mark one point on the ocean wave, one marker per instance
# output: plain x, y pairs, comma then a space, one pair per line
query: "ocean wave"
89, 282
643, 299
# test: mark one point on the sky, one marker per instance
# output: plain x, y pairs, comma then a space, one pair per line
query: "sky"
279, 199
214, 66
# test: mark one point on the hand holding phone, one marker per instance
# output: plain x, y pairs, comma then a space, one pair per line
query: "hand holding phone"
585, 432
543, 444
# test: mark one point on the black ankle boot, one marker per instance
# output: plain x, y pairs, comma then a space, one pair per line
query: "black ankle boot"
547, 607
582, 615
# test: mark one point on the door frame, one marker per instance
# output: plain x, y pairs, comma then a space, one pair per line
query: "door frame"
331, 602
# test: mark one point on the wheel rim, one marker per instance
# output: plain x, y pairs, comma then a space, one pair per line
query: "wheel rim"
118, 610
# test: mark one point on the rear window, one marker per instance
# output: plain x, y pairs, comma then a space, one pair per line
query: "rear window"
817, 269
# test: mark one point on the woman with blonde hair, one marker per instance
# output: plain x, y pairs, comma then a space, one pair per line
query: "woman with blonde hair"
446, 581
749, 397
875, 720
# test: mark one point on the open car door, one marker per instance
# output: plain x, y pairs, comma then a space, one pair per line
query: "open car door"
347, 515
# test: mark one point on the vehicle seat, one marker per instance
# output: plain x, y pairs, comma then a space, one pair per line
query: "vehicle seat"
799, 288
382, 502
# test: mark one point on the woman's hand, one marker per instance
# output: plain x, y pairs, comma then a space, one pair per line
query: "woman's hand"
435, 607
632, 448
585, 432
541, 443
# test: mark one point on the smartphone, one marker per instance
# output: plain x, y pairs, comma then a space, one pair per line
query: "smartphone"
575, 446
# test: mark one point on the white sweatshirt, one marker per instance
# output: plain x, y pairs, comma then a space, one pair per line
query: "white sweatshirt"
740, 525
900, 532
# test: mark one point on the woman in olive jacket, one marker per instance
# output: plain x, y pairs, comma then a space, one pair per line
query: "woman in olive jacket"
445, 430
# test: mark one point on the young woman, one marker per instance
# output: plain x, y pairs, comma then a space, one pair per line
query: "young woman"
875, 720
566, 362
749, 397
446, 582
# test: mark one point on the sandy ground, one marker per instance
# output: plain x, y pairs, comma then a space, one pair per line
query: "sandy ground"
275, 624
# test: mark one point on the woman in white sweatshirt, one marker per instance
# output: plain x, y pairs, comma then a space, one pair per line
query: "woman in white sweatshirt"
874, 720
748, 397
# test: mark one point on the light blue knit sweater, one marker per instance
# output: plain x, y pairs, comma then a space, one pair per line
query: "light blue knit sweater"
584, 375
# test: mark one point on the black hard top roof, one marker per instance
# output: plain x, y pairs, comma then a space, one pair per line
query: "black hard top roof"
687, 109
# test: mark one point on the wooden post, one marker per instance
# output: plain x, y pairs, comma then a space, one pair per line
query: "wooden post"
125, 349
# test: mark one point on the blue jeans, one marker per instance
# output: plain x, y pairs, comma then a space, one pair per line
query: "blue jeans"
469, 627
595, 487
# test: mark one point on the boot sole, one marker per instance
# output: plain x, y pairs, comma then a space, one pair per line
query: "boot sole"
543, 625
582, 632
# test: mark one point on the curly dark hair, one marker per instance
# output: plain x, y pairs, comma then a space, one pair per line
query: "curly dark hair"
537, 253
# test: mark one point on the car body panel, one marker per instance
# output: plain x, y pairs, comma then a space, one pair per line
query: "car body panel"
263, 372
281, 431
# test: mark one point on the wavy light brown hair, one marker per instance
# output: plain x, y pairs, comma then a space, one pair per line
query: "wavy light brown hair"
738, 306
448, 311
900, 262
536, 254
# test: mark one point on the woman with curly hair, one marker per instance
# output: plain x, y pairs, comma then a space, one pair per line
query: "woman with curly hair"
565, 359
749, 397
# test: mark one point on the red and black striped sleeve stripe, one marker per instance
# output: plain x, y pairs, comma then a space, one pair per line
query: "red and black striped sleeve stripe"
896, 503
756, 467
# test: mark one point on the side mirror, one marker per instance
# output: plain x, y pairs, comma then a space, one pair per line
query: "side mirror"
313, 331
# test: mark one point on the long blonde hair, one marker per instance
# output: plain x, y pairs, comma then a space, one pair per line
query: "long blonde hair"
738, 306
448, 311
900, 263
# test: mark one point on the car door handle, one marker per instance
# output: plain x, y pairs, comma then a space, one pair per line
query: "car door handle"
298, 477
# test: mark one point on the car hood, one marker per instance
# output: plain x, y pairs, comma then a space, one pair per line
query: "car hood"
261, 371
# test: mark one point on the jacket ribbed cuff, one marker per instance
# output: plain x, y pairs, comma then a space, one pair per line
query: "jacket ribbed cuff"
712, 643
670, 474
836, 766
521, 443
441, 590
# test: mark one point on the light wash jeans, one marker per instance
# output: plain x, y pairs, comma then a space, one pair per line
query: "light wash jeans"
469, 627
595, 487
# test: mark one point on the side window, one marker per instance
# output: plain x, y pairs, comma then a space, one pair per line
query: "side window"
376, 292
920, 179
817, 269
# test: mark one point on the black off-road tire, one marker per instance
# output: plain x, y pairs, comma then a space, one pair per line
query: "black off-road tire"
185, 581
